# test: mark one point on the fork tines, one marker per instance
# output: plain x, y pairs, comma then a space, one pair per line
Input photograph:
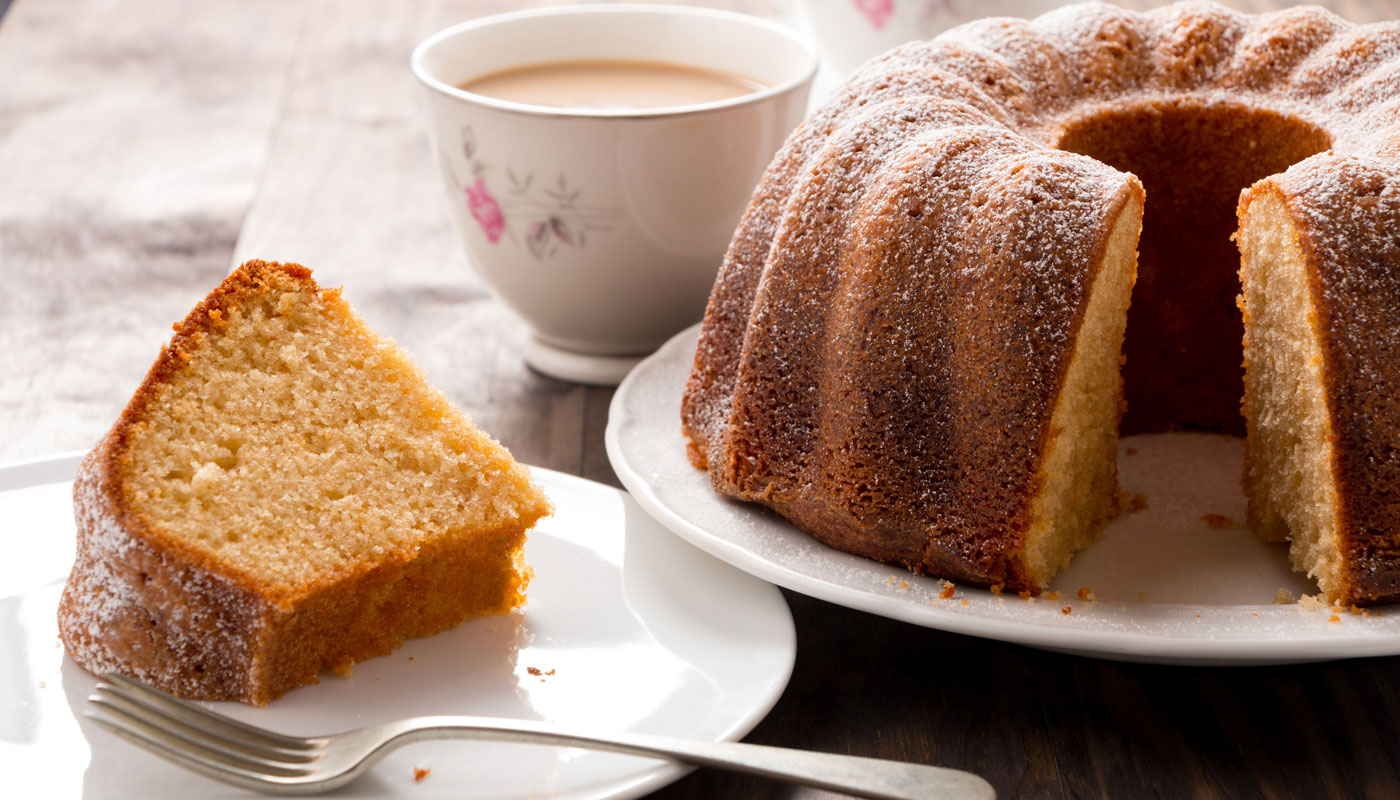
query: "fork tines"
196, 738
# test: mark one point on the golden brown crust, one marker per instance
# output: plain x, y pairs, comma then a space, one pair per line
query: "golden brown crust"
1183, 312
902, 417
1337, 206
148, 604
840, 469
138, 607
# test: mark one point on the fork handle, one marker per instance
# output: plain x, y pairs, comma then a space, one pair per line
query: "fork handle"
862, 777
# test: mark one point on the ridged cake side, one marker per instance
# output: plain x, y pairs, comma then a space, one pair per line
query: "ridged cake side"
1322, 295
778, 407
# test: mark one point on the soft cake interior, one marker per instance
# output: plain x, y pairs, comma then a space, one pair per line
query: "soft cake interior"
1079, 472
1181, 355
1288, 479
294, 445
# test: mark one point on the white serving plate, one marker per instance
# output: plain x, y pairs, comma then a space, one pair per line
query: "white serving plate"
1169, 587
641, 631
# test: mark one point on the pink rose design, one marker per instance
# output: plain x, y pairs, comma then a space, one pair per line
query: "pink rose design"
878, 12
486, 210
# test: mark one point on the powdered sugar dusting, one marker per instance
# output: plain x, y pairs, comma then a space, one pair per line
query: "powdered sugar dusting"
1348, 210
121, 590
934, 186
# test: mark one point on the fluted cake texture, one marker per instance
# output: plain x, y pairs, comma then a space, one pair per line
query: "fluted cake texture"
889, 354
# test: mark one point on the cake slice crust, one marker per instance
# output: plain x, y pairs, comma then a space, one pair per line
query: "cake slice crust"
1321, 400
1079, 473
285, 493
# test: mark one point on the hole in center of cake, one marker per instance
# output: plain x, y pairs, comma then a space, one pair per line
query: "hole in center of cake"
1183, 343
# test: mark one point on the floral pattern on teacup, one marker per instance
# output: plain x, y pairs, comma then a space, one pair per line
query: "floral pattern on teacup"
879, 12
876, 12
485, 210
540, 216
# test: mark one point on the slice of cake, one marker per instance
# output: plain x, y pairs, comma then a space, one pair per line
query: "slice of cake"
1322, 373
284, 494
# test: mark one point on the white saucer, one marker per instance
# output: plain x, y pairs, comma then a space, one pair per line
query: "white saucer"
1180, 582
627, 628
575, 367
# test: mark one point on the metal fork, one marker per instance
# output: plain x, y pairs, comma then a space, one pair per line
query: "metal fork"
264, 761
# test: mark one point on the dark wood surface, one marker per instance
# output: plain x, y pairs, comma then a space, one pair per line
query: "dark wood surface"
146, 147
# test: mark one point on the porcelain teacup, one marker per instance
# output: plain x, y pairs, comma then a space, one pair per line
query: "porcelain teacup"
604, 228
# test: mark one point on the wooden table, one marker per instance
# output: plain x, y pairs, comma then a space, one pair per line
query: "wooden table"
147, 146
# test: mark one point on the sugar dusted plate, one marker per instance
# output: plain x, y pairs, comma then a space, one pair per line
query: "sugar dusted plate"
1179, 582
627, 628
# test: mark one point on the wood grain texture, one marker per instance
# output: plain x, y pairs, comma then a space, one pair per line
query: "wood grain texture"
130, 147
147, 146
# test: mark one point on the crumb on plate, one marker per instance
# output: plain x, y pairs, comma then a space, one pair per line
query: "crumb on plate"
1312, 602
1218, 522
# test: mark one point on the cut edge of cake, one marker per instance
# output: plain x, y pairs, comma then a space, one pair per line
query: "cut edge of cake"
1078, 475
1289, 479
153, 604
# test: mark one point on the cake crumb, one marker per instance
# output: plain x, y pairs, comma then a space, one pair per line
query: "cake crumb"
904, 585
996, 589
1283, 597
1066, 610
1025, 594
1052, 595
1334, 618
947, 590
1132, 502
965, 601
419, 773
1217, 522
1312, 602
1086, 595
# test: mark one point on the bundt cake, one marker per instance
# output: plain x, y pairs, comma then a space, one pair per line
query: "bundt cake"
285, 494
912, 347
